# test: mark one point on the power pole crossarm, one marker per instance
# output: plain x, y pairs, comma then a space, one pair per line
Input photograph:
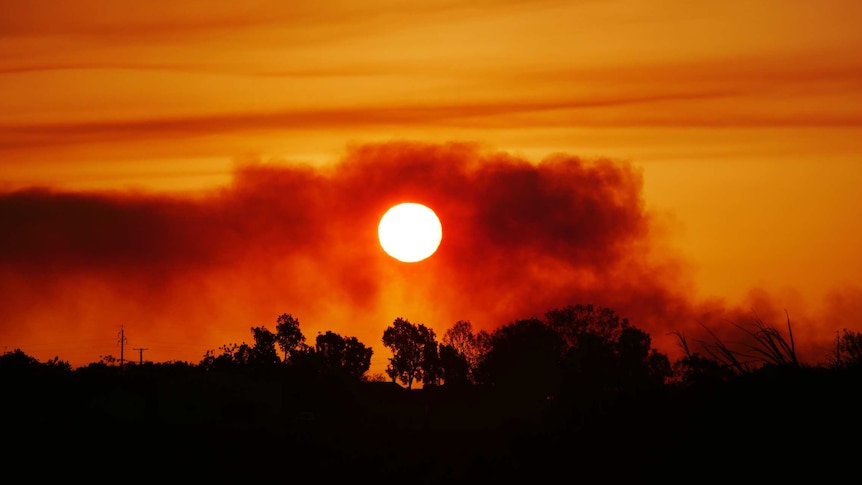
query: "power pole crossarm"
141, 350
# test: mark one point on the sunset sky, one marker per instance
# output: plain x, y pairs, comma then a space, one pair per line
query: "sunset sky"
193, 168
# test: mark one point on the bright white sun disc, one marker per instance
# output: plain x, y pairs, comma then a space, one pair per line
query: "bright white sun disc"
410, 232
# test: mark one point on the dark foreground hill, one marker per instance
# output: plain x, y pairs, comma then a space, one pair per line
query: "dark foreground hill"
245, 429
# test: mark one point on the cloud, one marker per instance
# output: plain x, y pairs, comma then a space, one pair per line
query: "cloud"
185, 274
668, 107
25, 136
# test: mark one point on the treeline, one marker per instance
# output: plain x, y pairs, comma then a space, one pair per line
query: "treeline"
579, 391
580, 348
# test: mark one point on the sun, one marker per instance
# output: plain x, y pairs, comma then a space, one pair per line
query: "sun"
410, 232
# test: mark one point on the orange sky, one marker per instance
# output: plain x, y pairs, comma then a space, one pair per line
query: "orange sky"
735, 132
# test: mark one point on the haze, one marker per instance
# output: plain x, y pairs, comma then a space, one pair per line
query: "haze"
194, 170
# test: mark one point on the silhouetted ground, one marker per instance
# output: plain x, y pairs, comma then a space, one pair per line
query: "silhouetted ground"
237, 429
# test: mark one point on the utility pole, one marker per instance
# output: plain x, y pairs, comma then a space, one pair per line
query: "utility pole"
141, 354
122, 342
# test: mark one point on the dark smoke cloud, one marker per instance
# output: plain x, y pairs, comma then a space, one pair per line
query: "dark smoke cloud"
186, 274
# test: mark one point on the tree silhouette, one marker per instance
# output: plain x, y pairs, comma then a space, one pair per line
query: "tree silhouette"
19, 363
288, 334
414, 352
466, 346
347, 354
260, 355
455, 367
583, 352
230, 357
524, 357
263, 353
431, 365
460, 337
330, 348
604, 352
639, 364
357, 357
574, 321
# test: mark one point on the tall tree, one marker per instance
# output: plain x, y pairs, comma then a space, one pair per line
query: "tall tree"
604, 352
524, 358
572, 322
288, 335
263, 352
461, 338
357, 357
455, 369
347, 354
469, 347
414, 352
329, 348
432, 369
